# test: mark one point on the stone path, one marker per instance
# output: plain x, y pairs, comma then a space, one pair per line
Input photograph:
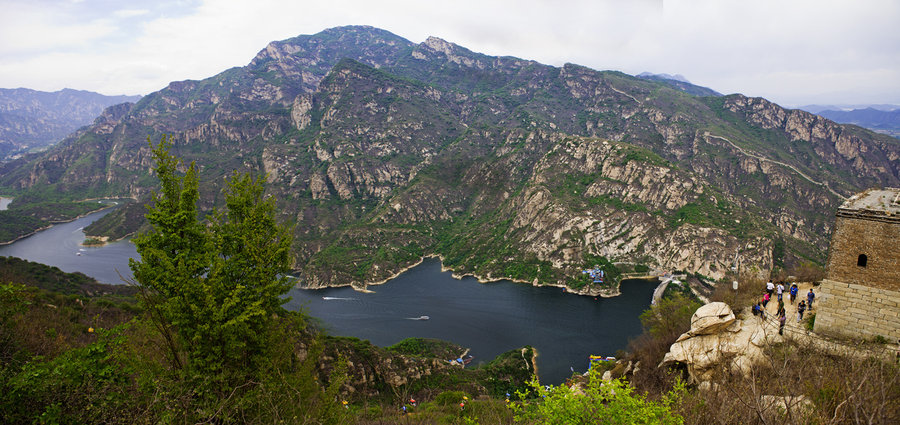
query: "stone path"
762, 158
798, 332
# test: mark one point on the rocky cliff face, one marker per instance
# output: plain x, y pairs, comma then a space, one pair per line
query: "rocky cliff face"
382, 151
843, 147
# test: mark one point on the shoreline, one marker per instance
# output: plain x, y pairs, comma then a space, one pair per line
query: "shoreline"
459, 276
534, 356
4, 243
53, 223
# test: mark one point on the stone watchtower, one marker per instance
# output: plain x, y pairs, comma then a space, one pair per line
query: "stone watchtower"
860, 296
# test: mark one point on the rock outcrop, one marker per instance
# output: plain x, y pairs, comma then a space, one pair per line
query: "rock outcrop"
720, 342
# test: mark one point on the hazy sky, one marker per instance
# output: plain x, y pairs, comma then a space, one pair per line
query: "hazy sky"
791, 52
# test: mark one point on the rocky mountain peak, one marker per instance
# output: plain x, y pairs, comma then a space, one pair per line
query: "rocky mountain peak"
439, 45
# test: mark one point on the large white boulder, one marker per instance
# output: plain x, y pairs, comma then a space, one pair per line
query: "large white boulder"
718, 341
711, 319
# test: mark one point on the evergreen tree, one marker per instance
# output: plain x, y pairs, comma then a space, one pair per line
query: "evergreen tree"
213, 286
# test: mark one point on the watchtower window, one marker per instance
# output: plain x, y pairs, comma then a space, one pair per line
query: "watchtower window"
862, 260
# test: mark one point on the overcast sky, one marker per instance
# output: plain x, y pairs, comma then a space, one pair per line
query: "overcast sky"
791, 52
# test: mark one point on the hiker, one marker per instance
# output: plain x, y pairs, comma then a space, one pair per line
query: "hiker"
800, 309
809, 298
770, 287
780, 290
765, 300
781, 320
793, 291
756, 309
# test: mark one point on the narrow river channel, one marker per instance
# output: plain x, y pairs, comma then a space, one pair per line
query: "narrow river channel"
488, 318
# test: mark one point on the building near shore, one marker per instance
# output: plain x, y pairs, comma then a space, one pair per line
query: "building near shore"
860, 296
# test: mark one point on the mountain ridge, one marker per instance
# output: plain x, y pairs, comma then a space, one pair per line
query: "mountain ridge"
32, 119
503, 167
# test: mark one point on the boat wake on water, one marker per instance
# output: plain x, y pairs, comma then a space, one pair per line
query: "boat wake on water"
418, 318
337, 299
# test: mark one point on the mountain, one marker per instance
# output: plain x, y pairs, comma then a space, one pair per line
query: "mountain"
35, 119
815, 109
382, 151
678, 82
887, 122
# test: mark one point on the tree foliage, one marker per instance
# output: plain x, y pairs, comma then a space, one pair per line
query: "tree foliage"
213, 285
595, 402
670, 317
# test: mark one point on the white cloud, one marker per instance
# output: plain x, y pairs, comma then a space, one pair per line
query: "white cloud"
788, 51
28, 28
130, 13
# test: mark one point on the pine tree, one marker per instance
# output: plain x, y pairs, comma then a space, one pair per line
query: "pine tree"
214, 286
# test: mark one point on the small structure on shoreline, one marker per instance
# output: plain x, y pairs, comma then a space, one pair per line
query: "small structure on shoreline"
860, 296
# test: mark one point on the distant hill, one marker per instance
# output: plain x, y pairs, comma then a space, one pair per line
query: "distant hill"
678, 82
815, 109
887, 122
34, 119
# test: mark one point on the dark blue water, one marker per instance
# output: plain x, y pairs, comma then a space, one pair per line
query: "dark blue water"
489, 318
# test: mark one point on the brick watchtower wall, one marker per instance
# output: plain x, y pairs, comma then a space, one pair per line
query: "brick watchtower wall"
876, 238
861, 295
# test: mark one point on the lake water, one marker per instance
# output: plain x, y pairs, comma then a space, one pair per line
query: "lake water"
4, 203
60, 246
488, 318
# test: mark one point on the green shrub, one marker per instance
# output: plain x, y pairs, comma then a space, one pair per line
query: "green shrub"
449, 398
411, 346
597, 401
372, 412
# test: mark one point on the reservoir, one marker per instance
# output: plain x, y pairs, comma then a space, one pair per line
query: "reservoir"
4, 203
60, 246
489, 318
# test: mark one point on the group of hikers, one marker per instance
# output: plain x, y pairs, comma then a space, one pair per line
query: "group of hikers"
778, 290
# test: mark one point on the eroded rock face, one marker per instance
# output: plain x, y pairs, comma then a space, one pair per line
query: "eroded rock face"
718, 341
837, 144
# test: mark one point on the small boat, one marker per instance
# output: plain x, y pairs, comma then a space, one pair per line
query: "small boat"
419, 318
78, 254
